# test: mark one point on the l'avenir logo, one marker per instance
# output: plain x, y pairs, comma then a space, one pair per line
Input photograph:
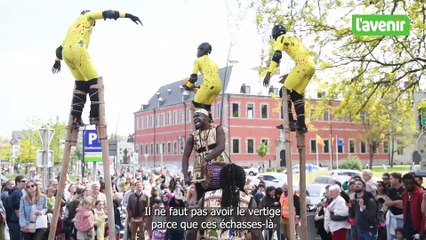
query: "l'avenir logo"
380, 25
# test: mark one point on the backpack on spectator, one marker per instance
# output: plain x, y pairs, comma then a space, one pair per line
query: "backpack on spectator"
83, 220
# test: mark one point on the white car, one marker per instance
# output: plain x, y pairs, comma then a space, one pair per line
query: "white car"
345, 172
316, 193
273, 179
331, 179
296, 168
250, 170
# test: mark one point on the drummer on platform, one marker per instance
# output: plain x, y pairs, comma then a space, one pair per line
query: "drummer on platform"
208, 141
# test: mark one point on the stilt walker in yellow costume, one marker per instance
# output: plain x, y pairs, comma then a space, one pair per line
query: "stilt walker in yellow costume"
73, 51
212, 85
298, 78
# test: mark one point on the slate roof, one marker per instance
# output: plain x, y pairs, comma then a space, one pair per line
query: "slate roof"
17, 137
171, 94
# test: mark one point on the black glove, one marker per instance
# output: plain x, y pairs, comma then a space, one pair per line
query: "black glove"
56, 67
134, 18
266, 79
187, 88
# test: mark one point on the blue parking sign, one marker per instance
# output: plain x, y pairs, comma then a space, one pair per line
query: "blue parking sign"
92, 146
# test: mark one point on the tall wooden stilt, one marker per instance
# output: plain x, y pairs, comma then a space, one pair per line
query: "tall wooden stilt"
287, 147
303, 212
101, 128
71, 140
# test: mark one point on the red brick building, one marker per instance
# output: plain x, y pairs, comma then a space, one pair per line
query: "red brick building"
248, 119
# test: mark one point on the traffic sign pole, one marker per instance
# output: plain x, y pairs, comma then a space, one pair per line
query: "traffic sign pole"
146, 155
46, 135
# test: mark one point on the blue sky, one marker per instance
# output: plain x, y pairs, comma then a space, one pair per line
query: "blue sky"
134, 61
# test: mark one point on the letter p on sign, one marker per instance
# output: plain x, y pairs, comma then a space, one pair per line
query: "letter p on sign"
92, 137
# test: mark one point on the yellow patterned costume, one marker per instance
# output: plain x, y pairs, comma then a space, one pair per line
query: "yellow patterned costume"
73, 51
301, 74
212, 84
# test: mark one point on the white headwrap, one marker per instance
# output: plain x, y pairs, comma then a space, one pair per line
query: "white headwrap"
202, 111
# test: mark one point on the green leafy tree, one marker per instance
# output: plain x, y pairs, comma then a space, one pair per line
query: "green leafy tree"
374, 76
32, 142
352, 162
262, 149
27, 150
352, 66
6, 152
362, 65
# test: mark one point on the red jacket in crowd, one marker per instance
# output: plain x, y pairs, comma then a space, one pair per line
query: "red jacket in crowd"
416, 203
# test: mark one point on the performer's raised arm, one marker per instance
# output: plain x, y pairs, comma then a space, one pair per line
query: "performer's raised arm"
112, 14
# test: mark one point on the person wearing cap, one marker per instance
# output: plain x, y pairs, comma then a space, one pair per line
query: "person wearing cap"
212, 84
208, 141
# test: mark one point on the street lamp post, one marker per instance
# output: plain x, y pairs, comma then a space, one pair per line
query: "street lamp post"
185, 95
155, 143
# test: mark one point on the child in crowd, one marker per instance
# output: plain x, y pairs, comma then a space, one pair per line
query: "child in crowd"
399, 234
100, 217
85, 221
50, 194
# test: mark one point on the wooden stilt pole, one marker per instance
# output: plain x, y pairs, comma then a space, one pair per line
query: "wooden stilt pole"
287, 147
71, 140
303, 211
101, 128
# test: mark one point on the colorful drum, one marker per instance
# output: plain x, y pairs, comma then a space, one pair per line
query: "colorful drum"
212, 176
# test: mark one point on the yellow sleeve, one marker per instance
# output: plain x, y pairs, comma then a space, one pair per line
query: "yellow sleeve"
279, 43
196, 67
94, 15
272, 67
195, 70
99, 15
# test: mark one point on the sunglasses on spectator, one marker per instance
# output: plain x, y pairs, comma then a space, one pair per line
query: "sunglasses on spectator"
23, 181
31, 186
